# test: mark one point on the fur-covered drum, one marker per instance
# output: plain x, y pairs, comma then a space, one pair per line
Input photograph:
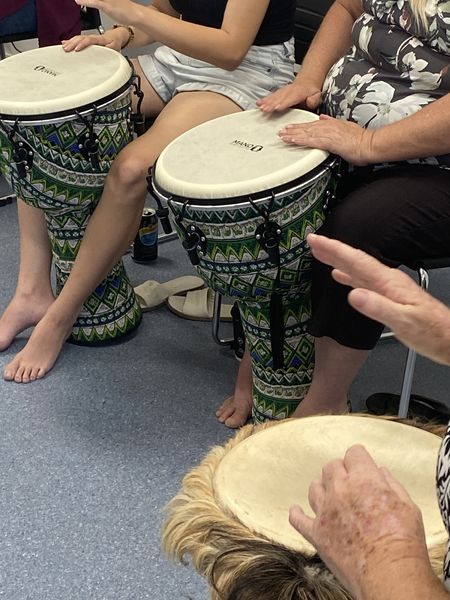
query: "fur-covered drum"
230, 518
64, 117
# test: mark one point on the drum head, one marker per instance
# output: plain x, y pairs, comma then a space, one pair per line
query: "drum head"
233, 156
261, 477
48, 80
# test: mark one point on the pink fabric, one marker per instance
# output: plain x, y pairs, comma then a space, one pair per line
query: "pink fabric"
57, 20
7, 7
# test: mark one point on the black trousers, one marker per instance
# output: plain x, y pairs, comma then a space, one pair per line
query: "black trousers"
397, 215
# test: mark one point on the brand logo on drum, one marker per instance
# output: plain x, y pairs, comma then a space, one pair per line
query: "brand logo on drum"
248, 145
43, 69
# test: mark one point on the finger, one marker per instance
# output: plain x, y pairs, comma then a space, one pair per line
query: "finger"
301, 522
341, 277
316, 494
382, 309
332, 471
314, 101
364, 270
358, 459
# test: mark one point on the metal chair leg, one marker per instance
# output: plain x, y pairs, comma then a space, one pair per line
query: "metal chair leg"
216, 322
408, 375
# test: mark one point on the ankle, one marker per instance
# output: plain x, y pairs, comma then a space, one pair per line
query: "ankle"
33, 293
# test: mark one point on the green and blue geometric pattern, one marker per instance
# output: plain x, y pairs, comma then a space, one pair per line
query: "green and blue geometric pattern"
67, 187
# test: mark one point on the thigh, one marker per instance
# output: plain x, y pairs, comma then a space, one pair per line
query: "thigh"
397, 215
183, 112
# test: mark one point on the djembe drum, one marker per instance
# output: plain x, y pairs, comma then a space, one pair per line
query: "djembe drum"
64, 117
243, 203
230, 518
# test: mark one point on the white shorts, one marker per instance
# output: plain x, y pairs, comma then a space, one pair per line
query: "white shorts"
263, 70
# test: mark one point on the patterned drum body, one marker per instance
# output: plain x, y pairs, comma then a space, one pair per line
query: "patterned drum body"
67, 155
243, 204
232, 259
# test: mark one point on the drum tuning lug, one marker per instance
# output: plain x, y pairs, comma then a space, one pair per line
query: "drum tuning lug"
97, 140
200, 253
328, 193
278, 231
80, 146
258, 236
203, 239
23, 157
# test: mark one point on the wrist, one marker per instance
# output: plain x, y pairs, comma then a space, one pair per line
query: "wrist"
368, 147
403, 572
126, 33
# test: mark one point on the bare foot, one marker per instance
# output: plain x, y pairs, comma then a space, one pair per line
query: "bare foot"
309, 407
236, 410
40, 353
22, 312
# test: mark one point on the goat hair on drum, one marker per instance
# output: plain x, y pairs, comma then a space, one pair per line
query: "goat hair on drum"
243, 203
230, 517
64, 117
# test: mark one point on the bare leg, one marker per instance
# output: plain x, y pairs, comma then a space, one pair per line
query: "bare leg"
112, 226
335, 369
33, 293
236, 409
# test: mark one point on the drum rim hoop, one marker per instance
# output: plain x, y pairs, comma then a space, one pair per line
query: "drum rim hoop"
67, 114
258, 197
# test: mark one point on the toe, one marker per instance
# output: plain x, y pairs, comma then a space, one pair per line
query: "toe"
18, 375
235, 421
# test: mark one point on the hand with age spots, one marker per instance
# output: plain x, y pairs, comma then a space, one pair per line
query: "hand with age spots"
364, 523
388, 296
346, 139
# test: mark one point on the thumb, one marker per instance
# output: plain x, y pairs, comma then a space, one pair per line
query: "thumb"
301, 522
314, 100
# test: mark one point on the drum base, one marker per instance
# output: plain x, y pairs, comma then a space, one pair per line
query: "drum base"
278, 391
109, 314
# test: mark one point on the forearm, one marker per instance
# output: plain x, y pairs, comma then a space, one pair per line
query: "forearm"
215, 46
426, 133
140, 38
330, 43
402, 578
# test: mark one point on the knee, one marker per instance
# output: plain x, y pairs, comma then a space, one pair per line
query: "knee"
350, 226
128, 175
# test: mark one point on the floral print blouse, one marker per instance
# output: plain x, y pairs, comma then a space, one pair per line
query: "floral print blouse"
394, 68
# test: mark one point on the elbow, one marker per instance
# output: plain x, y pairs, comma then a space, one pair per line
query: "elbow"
231, 65
232, 58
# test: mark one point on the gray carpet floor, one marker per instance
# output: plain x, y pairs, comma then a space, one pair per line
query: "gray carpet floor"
90, 455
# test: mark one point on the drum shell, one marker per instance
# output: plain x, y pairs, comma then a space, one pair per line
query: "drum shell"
61, 178
231, 259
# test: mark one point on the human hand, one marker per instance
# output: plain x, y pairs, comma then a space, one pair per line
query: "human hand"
344, 138
389, 296
300, 92
121, 11
113, 38
364, 521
